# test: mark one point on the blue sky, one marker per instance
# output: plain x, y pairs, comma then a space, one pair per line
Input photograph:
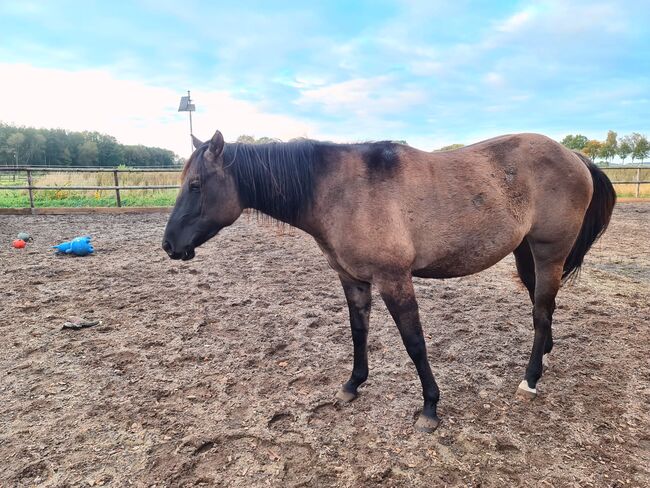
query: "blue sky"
429, 72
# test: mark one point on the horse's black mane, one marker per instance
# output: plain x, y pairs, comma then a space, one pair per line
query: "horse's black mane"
276, 178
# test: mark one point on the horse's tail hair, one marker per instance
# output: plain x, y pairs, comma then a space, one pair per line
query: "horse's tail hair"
596, 219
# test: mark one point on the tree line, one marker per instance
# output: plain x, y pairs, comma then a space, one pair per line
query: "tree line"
635, 145
28, 146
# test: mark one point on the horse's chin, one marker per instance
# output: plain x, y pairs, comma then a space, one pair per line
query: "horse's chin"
199, 240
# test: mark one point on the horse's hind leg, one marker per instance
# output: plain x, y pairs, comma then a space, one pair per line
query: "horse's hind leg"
399, 296
358, 297
526, 267
526, 270
549, 261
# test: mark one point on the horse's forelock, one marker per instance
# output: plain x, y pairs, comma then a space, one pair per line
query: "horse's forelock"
195, 159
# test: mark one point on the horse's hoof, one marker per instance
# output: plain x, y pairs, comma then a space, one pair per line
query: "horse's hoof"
525, 392
427, 424
345, 396
546, 362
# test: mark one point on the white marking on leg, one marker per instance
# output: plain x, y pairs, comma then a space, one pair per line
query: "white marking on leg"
524, 386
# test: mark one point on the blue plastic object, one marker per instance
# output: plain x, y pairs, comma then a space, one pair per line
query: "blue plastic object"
79, 246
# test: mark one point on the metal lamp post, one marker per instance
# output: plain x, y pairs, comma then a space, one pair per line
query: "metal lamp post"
186, 105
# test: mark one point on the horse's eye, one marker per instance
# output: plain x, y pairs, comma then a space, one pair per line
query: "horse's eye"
195, 186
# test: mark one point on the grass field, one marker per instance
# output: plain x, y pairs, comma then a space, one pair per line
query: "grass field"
629, 174
100, 198
166, 198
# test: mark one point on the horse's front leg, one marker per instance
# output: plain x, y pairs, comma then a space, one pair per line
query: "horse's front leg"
357, 294
399, 296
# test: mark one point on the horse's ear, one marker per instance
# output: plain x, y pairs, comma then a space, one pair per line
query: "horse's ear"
216, 144
196, 142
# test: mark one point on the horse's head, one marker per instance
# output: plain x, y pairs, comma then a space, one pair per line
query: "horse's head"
207, 202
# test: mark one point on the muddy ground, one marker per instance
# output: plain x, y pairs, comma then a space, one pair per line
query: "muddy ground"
222, 371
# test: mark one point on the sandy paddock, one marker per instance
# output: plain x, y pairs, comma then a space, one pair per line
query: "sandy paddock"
222, 371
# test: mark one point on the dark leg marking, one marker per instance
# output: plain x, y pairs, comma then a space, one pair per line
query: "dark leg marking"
547, 286
526, 267
526, 270
358, 297
399, 296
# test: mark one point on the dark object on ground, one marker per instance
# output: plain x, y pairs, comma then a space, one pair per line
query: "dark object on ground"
77, 324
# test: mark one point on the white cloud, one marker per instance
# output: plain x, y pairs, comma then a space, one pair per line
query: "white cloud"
516, 22
132, 111
494, 79
365, 97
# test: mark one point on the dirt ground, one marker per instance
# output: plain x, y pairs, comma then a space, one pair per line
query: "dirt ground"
222, 371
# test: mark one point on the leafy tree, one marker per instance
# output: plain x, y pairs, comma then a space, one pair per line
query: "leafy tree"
608, 148
592, 148
640, 146
88, 153
450, 147
15, 143
57, 147
577, 142
625, 148
246, 139
34, 148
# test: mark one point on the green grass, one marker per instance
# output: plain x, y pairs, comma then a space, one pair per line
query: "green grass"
49, 198
90, 198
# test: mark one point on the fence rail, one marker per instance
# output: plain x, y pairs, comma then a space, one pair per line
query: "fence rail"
117, 188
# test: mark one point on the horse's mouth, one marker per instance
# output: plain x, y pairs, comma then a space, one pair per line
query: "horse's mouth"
188, 254
185, 255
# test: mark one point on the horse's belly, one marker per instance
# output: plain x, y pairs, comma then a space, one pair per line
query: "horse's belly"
466, 259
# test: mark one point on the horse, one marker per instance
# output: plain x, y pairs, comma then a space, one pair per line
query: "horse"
383, 212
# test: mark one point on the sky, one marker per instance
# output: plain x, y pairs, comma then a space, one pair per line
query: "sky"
426, 71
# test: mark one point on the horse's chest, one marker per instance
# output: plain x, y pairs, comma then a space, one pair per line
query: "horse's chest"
335, 262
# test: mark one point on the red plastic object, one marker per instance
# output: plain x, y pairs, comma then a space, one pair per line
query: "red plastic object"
18, 244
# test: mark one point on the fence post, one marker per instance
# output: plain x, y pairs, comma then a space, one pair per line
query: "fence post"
31, 192
117, 189
638, 185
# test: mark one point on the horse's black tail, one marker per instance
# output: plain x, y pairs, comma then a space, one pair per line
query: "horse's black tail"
596, 219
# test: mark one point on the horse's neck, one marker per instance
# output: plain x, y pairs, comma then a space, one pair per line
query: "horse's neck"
305, 221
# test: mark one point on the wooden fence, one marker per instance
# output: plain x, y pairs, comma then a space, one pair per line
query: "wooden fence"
117, 188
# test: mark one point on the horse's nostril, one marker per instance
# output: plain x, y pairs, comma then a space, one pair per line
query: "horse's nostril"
167, 247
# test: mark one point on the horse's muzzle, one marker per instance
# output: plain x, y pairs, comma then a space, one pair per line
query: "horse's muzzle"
185, 254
